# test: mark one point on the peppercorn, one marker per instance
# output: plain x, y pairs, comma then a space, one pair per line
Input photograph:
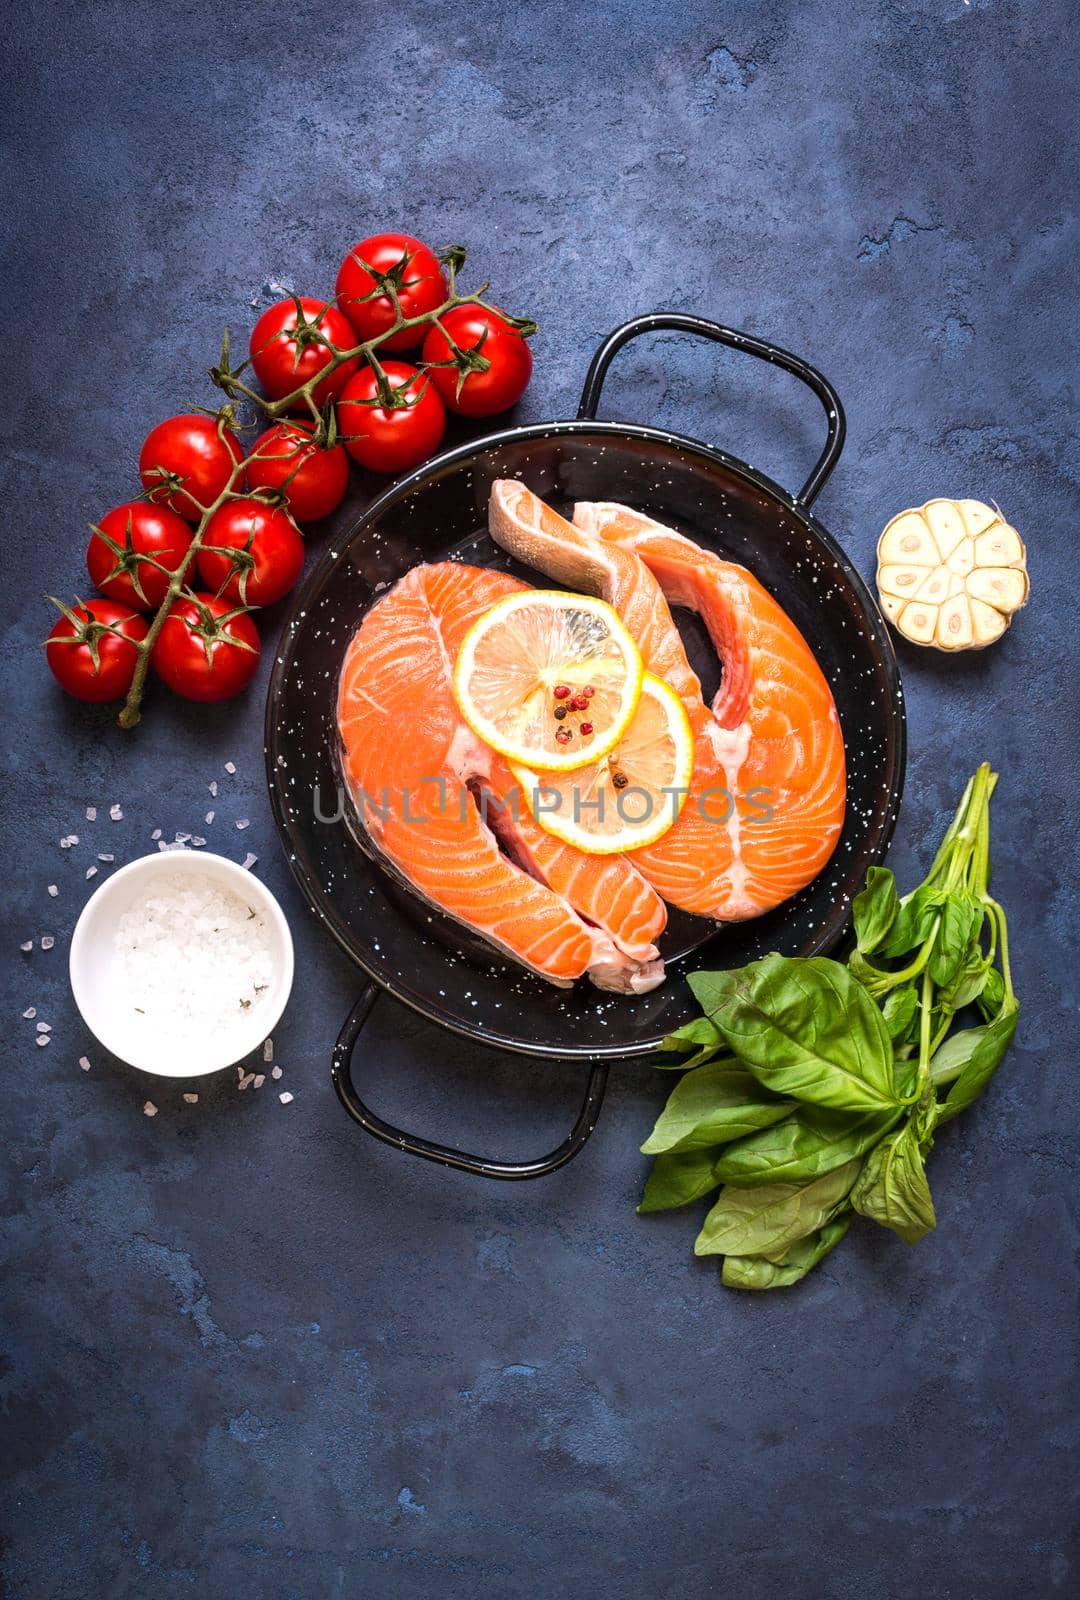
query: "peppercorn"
619, 779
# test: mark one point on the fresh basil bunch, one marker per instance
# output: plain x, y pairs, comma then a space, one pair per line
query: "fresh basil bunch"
812, 1088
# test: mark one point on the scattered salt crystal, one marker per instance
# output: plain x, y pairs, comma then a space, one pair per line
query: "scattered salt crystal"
47, 942
91, 813
156, 834
191, 1099
53, 890
31, 1011
149, 1109
286, 1098
106, 857
198, 842
246, 1079
268, 1044
182, 838
28, 946
91, 872
260, 1079
209, 816
68, 840
116, 814
276, 1073
213, 789
44, 1027
230, 766
42, 1038
84, 1062
249, 861
243, 822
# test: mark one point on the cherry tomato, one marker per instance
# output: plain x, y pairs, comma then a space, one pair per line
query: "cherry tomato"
312, 480
87, 659
391, 439
206, 650
187, 461
284, 357
481, 334
416, 274
136, 529
269, 550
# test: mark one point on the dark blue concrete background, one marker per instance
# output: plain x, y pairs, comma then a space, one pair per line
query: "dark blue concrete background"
249, 1352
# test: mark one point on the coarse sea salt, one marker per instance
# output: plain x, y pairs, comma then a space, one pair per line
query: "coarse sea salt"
195, 959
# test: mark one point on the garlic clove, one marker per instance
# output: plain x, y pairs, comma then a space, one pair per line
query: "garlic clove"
1001, 546
978, 517
935, 586
963, 558
901, 581
944, 518
908, 541
918, 622
1003, 587
954, 627
987, 624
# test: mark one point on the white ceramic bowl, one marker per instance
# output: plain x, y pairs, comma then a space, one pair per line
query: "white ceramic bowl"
97, 982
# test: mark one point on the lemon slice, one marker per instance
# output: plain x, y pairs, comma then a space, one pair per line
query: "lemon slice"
629, 797
549, 679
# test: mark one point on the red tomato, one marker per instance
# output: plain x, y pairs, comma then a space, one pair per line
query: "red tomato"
270, 553
391, 439
136, 529
187, 461
86, 659
481, 334
416, 274
206, 650
312, 480
284, 358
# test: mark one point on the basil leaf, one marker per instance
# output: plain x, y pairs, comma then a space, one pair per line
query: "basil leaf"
749, 1222
949, 1059
914, 920
711, 1105
758, 1272
806, 1028
961, 920
813, 1141
711, 989
874, 910
992, 996
981, 1061
675, 1180
892, 1187
692, 1035
899, 1011
967, 984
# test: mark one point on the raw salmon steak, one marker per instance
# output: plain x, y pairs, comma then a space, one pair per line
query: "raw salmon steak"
441, 808
733, 853
772, 692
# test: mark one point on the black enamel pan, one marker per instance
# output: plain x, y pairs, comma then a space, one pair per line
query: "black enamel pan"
438, 513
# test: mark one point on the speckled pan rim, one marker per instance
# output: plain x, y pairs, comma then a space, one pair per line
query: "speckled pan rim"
829, 933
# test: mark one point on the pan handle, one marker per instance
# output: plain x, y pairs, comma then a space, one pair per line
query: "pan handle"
682, 322
341, 1075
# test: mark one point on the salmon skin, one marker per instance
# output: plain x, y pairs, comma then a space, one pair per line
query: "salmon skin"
434, 800
726, 857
